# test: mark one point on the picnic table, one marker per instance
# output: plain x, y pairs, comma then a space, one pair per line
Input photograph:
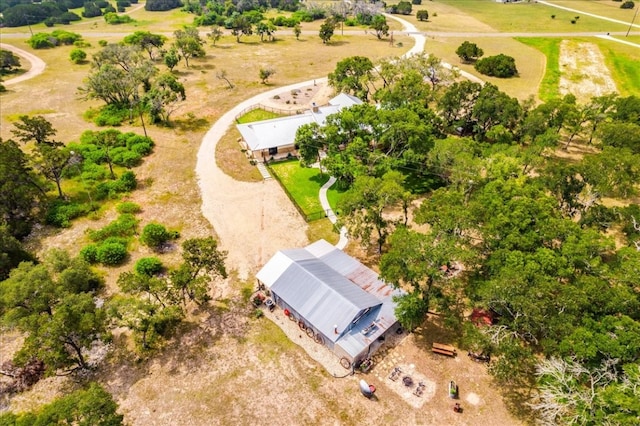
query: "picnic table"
441, 348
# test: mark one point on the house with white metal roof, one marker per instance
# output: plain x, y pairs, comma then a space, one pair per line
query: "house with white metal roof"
344, 303
268, 138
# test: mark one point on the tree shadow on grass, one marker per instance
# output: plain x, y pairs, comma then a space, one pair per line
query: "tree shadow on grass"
190, 123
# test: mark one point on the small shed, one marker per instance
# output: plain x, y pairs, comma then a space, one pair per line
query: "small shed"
347, 306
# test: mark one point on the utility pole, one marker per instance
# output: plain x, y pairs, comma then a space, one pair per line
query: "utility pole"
633, 19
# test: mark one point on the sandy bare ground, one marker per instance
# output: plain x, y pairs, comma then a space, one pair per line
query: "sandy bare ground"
583, 71
37, 64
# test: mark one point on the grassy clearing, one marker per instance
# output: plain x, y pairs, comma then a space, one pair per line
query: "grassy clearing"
257, 115
322, 229
608, 8
231, 159
531, 17
530, 62
550, 47
623, 62
303, 184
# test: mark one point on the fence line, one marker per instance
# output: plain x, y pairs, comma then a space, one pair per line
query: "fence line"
307, 217
269, 109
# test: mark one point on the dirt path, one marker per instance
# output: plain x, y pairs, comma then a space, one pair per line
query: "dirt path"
583, 72
254, 220
37, 64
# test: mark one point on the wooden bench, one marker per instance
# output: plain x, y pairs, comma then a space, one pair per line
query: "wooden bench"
443, 349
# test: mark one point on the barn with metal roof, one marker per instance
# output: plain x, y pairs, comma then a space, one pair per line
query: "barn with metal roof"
346, 305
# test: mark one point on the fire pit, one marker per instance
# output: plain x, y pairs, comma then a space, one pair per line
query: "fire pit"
408, 381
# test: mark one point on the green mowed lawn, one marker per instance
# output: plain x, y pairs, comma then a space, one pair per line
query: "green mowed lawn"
303, 184
258, 114
532, 17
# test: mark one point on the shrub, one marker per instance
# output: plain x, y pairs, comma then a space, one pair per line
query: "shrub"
81, 44
553, 16
42, 41
148, 266
124, 226
422, 15
402, 8
61, 213
65, 37
128, 207
90, 253
50, 22
91, 9
78, 56
111, 115
113, 18
67, 17
102, 43
627, 5
154, 235
111, 253
502, 66
416, 2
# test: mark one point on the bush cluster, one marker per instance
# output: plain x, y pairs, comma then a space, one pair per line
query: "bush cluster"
112, 188
60, 213
113, 18
56, 38
154, 235
148, 266
502, 66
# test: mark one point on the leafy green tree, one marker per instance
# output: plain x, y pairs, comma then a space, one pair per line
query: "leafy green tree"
265, 73
92, 406
492, 108
240, 25
202, 263
60, 339
165, 97
309, 142
402, 8
8, 60
422, 15
411, 310
215, 34
613, 172
380, 26
456, 105
53, 304
21, 191
78, 56
171, 58
51, 160
188, 44
469, 52
620, 135
326, 30
352, 75
147, 41
265, 28
11, 253
364, 207
33, 129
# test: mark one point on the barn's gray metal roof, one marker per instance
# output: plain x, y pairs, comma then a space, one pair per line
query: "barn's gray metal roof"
327, 287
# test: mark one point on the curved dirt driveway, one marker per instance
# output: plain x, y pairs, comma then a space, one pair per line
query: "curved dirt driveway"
37, 64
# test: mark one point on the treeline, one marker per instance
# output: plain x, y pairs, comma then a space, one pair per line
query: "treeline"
514, 228
17, 13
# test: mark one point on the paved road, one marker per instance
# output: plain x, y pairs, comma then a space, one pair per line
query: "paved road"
37, 64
